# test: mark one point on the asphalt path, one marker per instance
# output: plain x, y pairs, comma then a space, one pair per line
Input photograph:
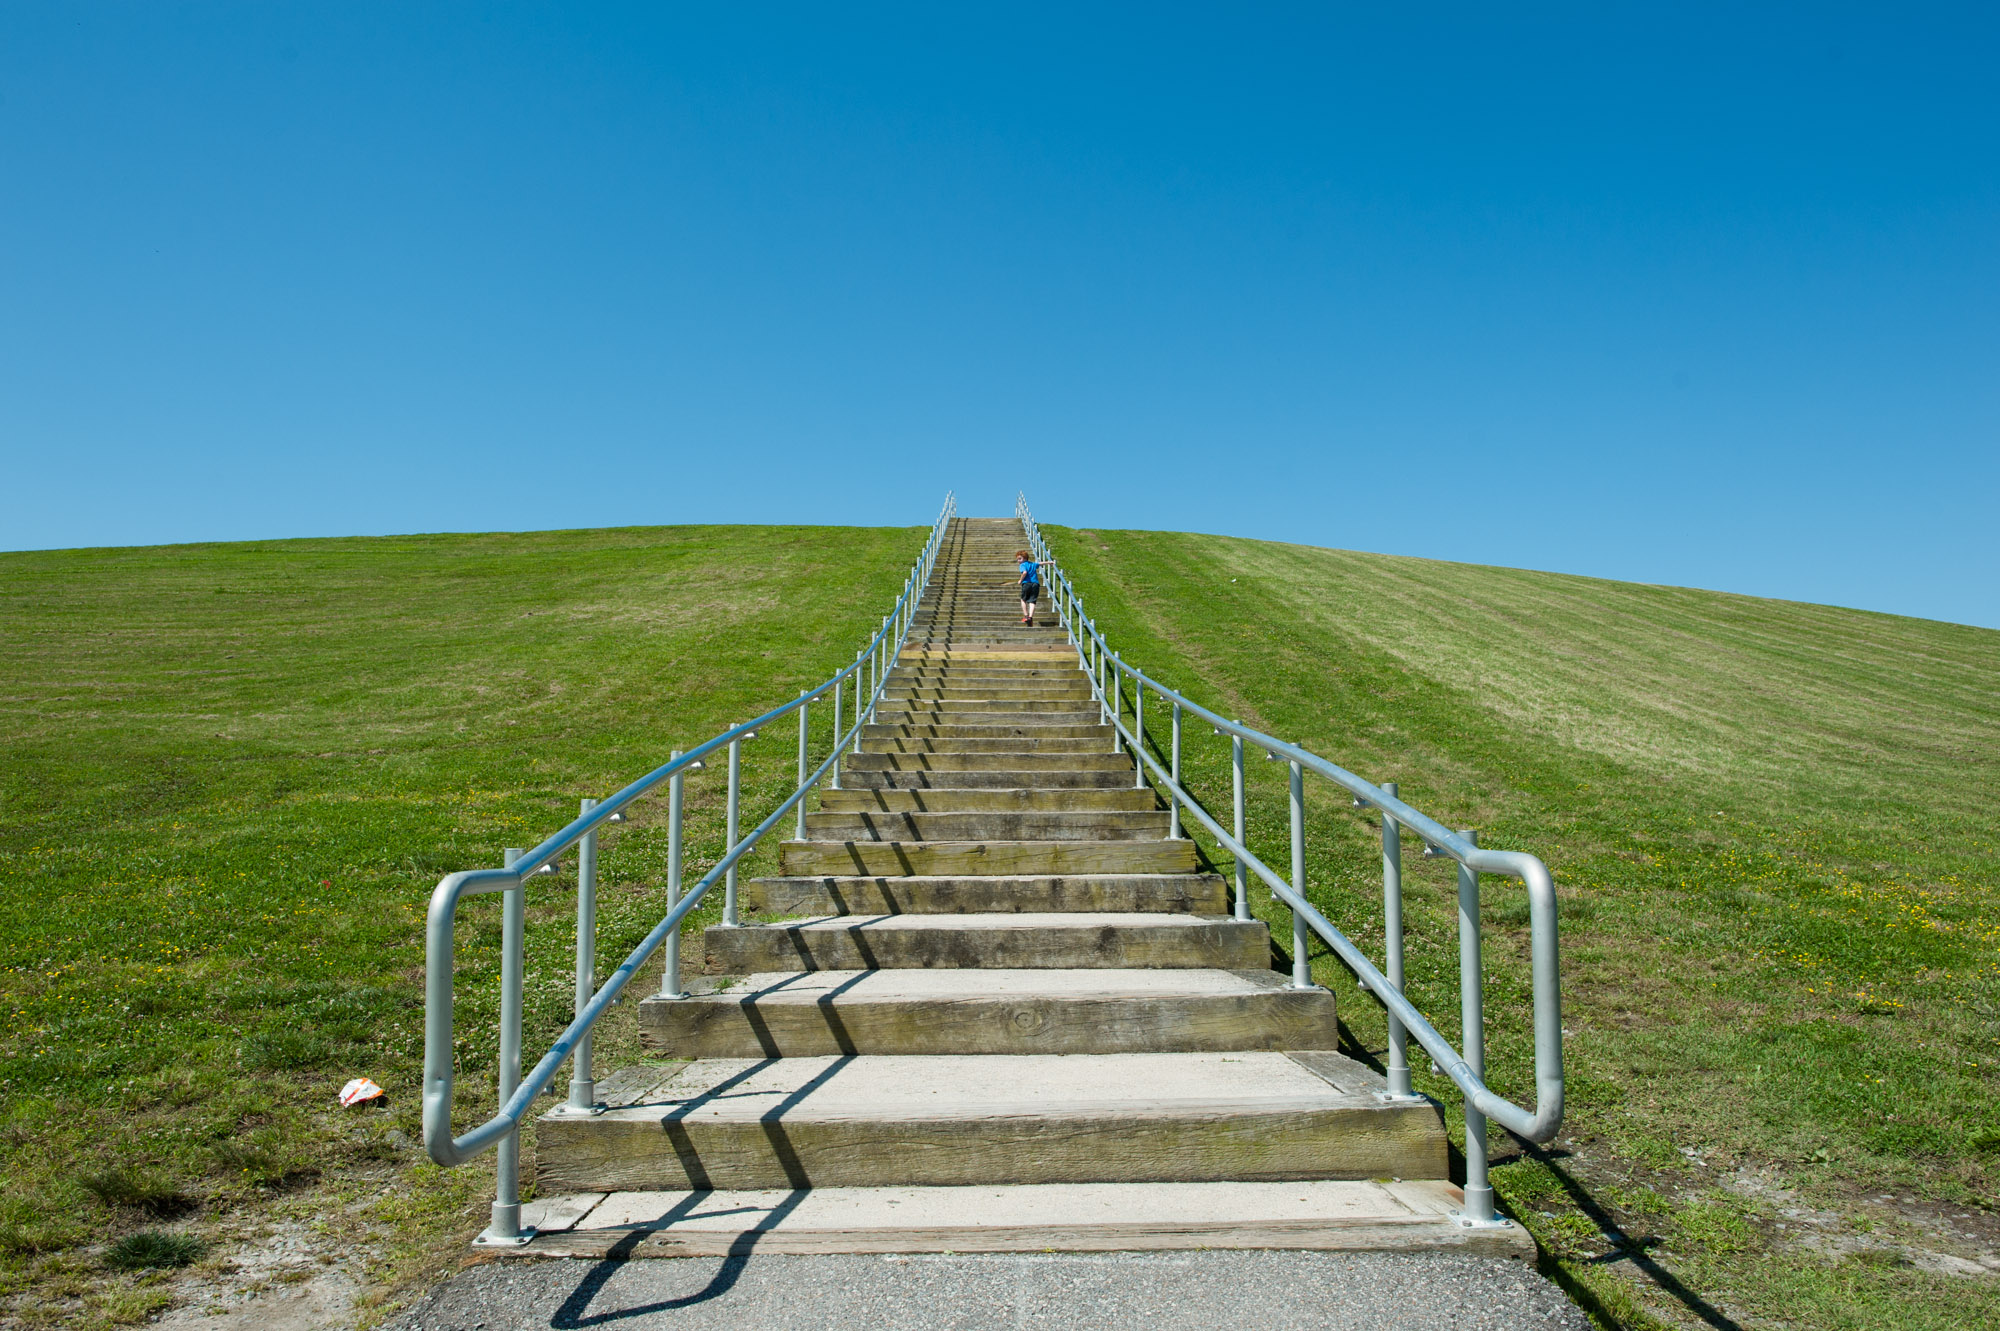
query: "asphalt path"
1157, 1291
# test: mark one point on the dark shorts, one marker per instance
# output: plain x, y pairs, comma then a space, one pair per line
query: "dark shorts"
1031, 591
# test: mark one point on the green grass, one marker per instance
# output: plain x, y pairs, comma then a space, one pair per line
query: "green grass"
148, 1248
233, 774
1773, 832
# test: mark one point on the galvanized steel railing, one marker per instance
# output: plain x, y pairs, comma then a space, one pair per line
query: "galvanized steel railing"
516, 1093
1467, 1070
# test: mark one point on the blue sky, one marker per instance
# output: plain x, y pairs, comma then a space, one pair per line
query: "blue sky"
1691, 294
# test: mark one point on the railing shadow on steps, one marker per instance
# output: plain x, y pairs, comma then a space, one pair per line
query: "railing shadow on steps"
1108, 674
866, 678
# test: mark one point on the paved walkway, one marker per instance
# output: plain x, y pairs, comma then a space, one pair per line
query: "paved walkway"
1186, 1291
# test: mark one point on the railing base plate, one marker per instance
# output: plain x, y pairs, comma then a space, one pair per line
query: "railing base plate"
518, 1240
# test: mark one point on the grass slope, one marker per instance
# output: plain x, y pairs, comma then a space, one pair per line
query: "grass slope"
1772, 826
232, 775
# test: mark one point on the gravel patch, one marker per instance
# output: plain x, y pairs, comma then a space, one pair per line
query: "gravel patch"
1161, 1291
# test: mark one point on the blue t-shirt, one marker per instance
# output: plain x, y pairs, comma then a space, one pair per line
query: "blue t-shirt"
1030, 571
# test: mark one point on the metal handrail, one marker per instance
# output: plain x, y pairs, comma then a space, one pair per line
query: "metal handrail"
1107, 673
516, 1093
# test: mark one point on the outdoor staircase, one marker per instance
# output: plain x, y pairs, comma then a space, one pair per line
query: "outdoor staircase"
991, 1004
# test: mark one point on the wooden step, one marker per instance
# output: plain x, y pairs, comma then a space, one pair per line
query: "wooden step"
986, 762
988, 711
1025, 940
979, 712
866, 858
1165, 893
883, 1121
790, 1015
1015, 800
1022, 730
990, 825
988, 691
1009, 744
985, 672
1045, 779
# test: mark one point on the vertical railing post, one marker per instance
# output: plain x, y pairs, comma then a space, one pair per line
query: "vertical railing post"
881, 660
670, 972
1138, 730
804, 707
1472, 1038
1236, 791
839, 749
506, 1224
582, 1082
1302, 976
1173, 802
860, 713
732, 822
1392, 943
1117, 702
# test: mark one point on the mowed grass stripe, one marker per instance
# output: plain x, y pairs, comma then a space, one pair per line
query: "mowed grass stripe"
1772, 826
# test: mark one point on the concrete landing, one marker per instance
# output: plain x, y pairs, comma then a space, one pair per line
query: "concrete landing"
1074, 1217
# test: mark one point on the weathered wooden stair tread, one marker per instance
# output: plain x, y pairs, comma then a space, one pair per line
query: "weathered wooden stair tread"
989, 824
1009, 800
1000, 778
989, 762
789, 1014
873, 1121
1329, 1214
1001, 745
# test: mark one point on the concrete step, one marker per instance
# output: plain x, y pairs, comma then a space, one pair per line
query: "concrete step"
1059, 730
953, 1120
1018, 800
1020, 940
1045, 779
990, 825
868, 858
792, 1015
1331, 1215
985, 762
1011, 744
993, 894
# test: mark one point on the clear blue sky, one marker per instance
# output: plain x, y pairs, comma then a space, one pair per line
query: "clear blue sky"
1689, 294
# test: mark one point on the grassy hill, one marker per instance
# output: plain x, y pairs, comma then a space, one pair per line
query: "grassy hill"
232, 774
1773, 828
